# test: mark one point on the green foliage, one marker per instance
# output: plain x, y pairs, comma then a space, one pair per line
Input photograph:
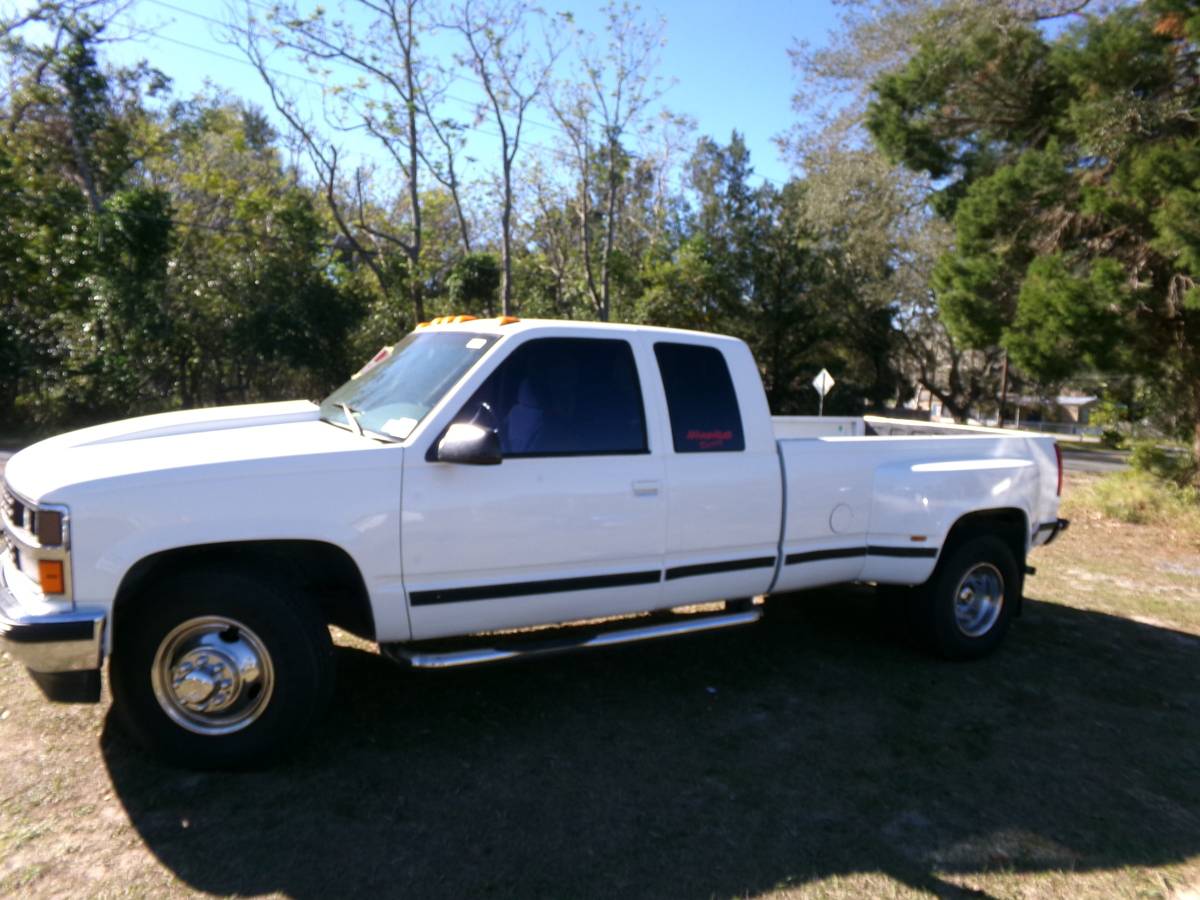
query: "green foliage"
1112, 439
158, 252
1166, 463
1064, 320
956, 104
979, 283
1109, 415
755, 268
473, 282
154, 258
1073, 164
1141, 498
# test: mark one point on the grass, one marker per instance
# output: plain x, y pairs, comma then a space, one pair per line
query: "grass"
814, 755
1139, 498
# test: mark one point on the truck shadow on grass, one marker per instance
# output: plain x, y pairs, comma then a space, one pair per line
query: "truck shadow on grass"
814, 744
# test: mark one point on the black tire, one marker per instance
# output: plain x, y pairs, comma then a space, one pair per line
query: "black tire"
951, 631
275, 703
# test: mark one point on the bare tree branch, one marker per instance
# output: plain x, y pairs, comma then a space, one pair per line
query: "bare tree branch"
512, 75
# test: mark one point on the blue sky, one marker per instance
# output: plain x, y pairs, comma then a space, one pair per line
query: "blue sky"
728, 61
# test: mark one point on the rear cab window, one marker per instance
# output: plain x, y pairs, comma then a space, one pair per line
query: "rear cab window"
701, 399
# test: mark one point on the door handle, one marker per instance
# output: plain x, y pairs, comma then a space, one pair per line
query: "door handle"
645, 488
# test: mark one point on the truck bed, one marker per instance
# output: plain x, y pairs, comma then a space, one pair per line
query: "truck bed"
872, 499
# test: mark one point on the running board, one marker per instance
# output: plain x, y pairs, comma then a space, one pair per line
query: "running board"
405, 653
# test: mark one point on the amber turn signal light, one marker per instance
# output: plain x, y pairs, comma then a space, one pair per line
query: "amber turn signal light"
50, 574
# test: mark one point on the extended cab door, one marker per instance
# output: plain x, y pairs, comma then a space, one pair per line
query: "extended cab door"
570, 525
723, 474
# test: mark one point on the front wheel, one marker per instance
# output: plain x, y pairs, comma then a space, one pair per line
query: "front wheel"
220, 669
965, 609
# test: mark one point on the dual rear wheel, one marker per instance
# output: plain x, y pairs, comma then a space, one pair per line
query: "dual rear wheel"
966, 607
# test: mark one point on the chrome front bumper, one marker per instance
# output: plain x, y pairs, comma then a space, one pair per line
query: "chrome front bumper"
49, 642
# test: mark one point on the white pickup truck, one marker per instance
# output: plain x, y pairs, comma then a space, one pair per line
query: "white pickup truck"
485, 477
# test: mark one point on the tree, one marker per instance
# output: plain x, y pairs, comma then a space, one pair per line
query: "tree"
473, 282
375, 80
882, 207
512, 75
151, 254
251, 294
751, 264
596, 114
73, 138
1070, 167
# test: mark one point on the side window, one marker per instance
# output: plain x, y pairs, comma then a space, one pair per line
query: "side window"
700, 399
563, 397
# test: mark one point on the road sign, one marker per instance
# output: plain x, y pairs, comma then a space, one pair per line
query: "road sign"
824, 384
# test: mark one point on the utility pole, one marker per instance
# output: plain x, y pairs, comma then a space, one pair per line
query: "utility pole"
1003, 388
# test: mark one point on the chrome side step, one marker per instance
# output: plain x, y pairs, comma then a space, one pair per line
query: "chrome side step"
404, 653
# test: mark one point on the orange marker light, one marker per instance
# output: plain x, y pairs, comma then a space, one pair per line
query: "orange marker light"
50, 574
506, 320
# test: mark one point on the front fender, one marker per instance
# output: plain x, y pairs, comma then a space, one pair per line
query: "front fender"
117, 524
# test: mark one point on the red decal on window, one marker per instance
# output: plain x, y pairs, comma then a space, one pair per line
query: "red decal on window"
709, 440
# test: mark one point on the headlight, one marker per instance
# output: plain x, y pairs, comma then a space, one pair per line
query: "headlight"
39, 538
47, 523
49, 526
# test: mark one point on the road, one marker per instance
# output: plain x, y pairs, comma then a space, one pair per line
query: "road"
1094, 460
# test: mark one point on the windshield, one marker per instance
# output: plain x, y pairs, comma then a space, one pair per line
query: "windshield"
393, 397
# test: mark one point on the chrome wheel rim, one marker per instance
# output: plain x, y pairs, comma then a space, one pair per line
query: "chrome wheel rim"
978, 600
213, 675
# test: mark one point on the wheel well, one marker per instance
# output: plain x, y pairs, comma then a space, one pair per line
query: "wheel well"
1010, 525
324, 570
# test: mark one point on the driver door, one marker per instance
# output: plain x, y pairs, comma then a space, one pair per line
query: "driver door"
570, 525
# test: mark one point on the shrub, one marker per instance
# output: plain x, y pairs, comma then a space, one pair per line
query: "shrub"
1141, 498
1164, 463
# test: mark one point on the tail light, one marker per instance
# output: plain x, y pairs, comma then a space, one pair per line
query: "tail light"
1058, 459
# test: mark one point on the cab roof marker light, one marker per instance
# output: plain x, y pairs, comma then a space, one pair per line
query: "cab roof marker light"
448, 320
465, 317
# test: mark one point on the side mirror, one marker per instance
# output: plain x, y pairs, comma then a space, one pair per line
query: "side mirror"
469, 445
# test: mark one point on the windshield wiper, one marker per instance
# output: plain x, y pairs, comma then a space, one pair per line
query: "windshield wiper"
350, 417
352, 423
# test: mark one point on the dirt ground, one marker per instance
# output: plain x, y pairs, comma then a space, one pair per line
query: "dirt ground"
815, 754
